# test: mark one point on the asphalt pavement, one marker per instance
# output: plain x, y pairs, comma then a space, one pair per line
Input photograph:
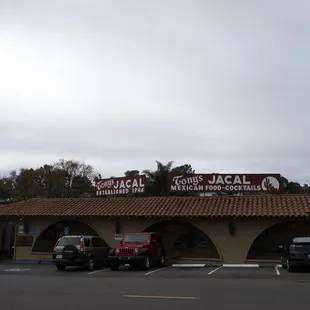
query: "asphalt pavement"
43, 287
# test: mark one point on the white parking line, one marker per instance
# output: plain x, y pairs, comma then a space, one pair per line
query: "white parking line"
188, 265
16, 270
97, 271
150, 272
160, 297
240, 265
216, 269
277, 270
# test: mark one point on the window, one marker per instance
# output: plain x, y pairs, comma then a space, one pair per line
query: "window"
69, 241
133, 238
97, 242
194, 244
86, 242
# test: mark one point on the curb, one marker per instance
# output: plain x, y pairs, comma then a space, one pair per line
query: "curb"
224, 265
241, 265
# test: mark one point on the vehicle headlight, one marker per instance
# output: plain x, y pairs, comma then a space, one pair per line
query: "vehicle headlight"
136, 250
117, 251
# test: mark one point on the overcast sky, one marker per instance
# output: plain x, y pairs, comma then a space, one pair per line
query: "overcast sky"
222, 85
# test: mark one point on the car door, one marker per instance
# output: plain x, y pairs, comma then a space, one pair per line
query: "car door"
101, 250
154, 246
87, 246
160, 244
96, 250
104, 250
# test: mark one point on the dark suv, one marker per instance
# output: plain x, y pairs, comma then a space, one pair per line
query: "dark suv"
139, 250
296, 254
83, 251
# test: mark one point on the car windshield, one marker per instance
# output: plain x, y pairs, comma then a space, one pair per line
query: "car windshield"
300, 248
133, 238
69, 241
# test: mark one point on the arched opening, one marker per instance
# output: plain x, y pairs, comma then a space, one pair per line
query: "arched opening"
185, 241
7, 240
265, 246
47, 239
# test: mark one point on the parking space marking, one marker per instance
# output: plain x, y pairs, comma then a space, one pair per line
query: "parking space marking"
150, 272
16, 270
188, 265
277, 270
97, 271
240, 265
160, 297
214, 270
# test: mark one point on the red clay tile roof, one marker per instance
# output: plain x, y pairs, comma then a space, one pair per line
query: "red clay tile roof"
220, 206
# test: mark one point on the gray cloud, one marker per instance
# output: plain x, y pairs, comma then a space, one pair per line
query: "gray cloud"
222, 86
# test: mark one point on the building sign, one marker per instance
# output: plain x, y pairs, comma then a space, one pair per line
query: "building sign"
33, 231
21, 228
224, 183
118, 237
66, 230
121, 186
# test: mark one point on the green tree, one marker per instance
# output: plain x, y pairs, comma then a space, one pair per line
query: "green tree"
158, 179
27, 183
7, 192
131, 173
63, 179
53, 180
184, 169
290, 187
78, 176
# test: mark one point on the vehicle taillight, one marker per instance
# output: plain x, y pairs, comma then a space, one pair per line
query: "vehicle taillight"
82, 247
55, 246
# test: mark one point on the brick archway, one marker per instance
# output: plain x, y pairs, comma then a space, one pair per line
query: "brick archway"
7, 240
265, 245
46, 240
185, 241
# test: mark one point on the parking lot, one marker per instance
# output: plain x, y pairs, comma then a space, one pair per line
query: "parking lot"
217, 272
44, 287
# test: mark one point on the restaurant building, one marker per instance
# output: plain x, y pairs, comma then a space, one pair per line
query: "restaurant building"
216, 229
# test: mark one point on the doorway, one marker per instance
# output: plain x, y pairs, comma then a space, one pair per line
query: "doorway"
7, 241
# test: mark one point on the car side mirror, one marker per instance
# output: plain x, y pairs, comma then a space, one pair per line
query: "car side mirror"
121, 242
153, 241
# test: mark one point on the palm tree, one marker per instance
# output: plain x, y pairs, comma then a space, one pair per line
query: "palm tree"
158, 179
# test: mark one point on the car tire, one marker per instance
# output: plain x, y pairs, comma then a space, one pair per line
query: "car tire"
146, 264
162, 260
90, 264
114, 267
60, 267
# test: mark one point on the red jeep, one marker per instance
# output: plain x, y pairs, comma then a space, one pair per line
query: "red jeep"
139, 250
